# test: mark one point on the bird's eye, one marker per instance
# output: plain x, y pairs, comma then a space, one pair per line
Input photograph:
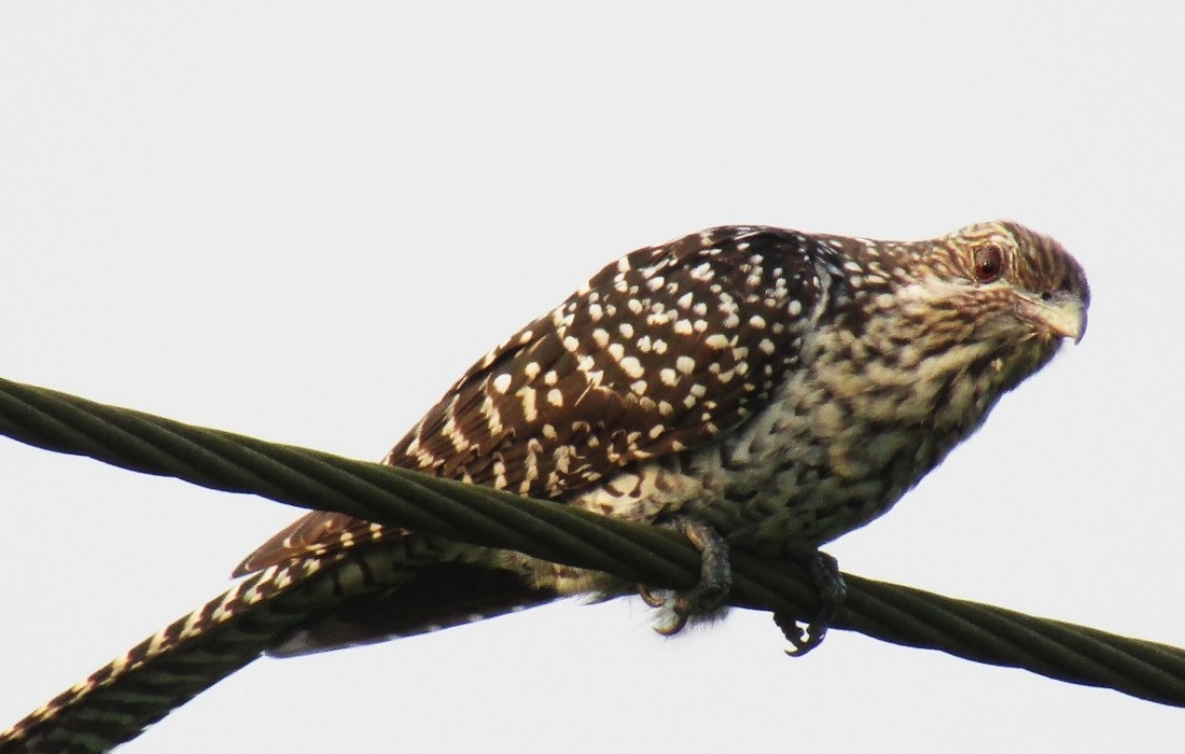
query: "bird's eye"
989, 263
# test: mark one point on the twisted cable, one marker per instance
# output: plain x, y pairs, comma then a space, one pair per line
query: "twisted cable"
472, 516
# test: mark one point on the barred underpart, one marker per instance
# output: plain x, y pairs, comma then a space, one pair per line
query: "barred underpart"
776, 388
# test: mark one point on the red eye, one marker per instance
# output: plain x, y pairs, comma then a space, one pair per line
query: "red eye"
989, 263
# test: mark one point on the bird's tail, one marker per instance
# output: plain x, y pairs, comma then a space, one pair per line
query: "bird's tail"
445, 595
265, 612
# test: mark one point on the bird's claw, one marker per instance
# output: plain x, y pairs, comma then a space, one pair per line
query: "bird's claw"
710, 593
825, 574
673, 626
650, 598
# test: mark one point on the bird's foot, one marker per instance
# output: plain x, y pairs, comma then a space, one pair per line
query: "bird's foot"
715, 581
825, 574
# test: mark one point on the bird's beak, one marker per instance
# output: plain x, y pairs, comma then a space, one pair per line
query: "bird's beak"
1063, 314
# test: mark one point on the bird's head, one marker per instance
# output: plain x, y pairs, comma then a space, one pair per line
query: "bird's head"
1003, 290
971, 315
1018, 282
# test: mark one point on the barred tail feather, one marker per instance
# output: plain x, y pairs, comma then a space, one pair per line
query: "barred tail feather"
443, 596
117, 702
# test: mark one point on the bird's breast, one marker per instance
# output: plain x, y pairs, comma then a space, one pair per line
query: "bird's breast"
808, 468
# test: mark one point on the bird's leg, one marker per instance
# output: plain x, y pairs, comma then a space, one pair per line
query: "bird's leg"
715, 579
825, 574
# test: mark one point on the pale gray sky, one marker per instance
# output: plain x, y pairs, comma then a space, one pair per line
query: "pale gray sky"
303, 221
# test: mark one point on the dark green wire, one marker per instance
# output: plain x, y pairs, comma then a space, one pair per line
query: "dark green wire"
635, 553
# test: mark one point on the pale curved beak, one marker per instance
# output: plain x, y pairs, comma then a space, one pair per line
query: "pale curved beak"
1062, 314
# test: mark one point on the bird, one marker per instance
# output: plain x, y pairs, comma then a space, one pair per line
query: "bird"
759, 389
755, 387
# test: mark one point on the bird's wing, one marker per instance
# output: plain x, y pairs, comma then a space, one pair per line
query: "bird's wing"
659, 353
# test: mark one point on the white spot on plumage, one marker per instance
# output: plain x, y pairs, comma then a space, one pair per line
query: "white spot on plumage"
453, 435
489, 410
632, 367
527, 397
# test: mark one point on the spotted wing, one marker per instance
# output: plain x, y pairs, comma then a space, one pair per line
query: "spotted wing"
659, 353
